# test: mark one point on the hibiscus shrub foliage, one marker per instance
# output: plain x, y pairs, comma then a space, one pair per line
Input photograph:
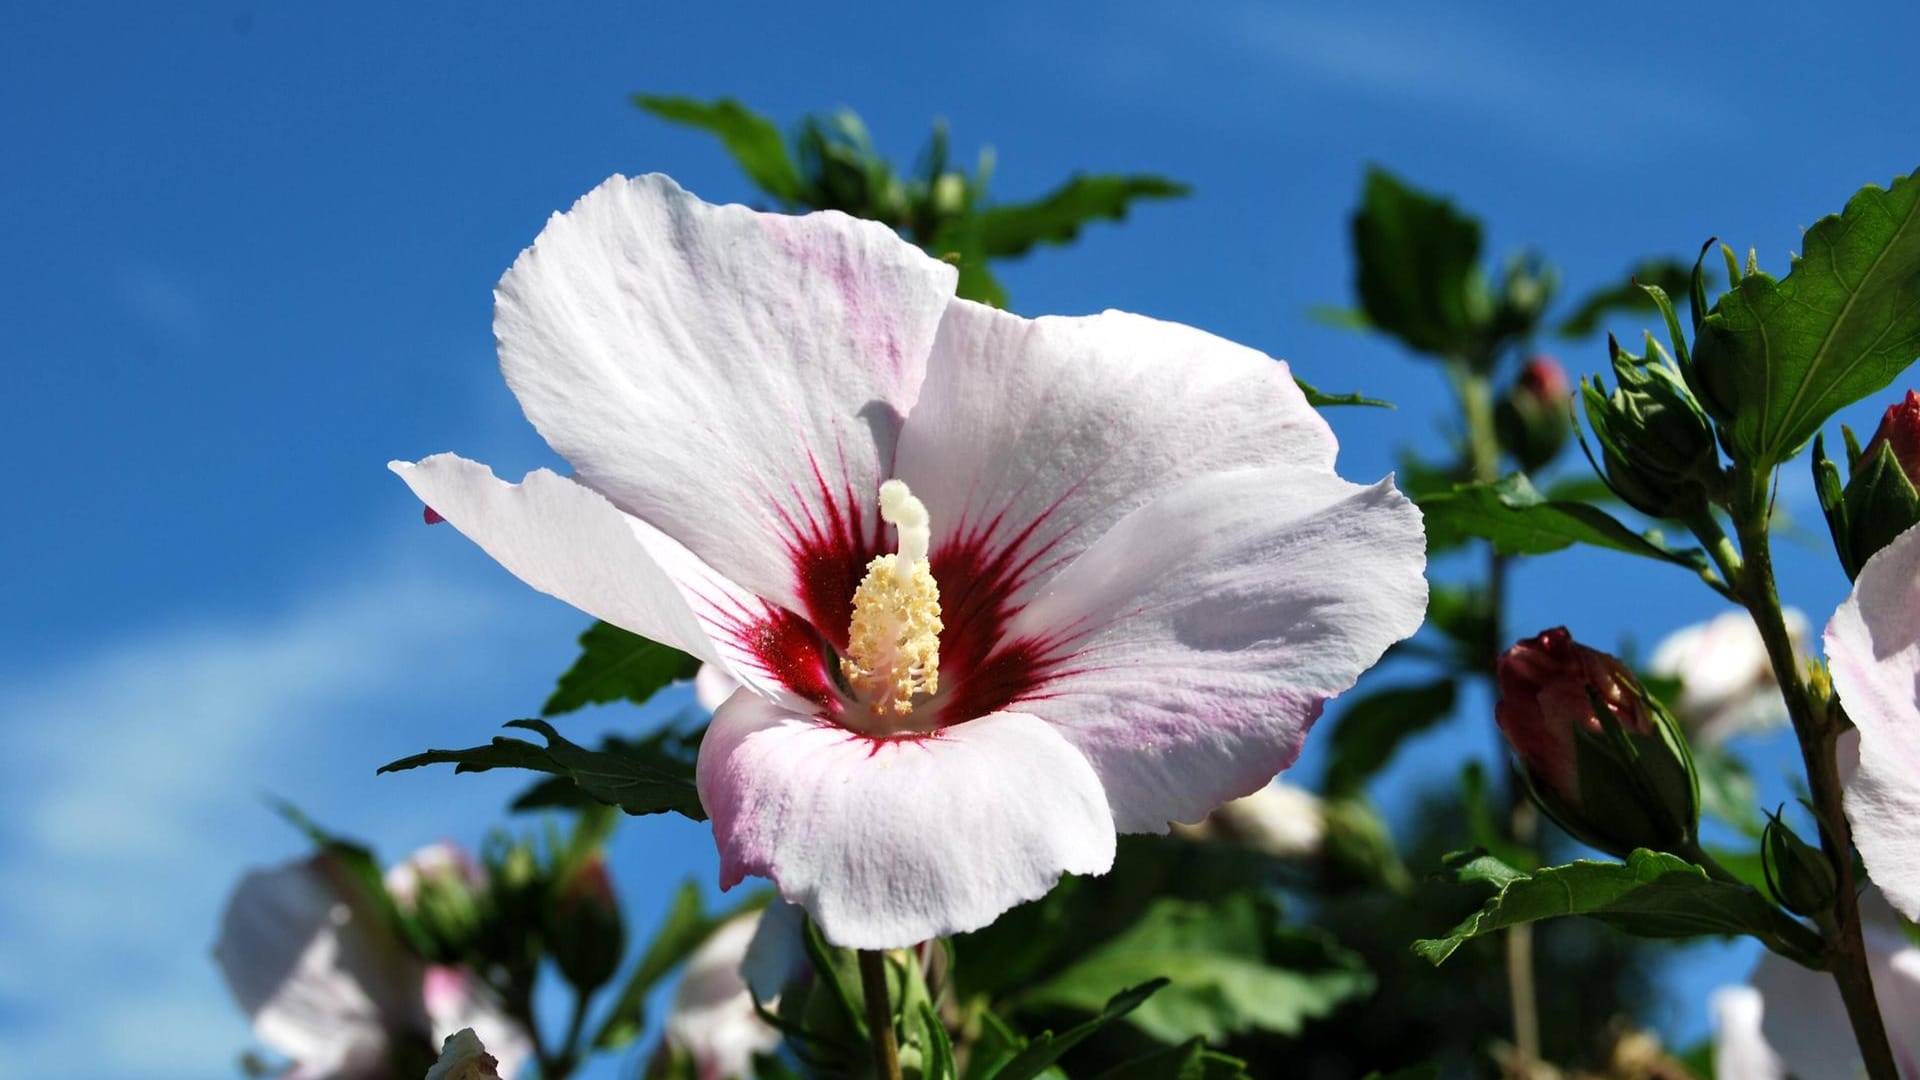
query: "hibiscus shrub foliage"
1001, 629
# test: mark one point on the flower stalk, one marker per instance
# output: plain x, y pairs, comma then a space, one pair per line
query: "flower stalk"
1475, 392
1817, 726
873, 987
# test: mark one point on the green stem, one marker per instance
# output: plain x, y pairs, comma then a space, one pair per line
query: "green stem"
1523, 820
1817, 728
1706, 528
873, 986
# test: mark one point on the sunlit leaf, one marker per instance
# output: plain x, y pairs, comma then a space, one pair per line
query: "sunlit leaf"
1011, 229
752, 139
617, 665
1417, 266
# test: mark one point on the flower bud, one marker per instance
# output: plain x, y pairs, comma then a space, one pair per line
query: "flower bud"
1601, 756
1880, 500
587, 932
1532, 421
1656, 443
1797, 872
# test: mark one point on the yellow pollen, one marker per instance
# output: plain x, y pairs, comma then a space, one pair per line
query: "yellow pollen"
893, 646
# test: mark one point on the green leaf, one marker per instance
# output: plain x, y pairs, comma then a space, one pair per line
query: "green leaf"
1417, 273
993, 1047
1671, 275
1234, 966
1191, 1060
1412, 1072
1652, 894
1046, 1048
1518, 520
1320, 400
617, 665
936, 1045
1012, 229
1372, 727
686, 927
1779, 357
752, 139
647, 776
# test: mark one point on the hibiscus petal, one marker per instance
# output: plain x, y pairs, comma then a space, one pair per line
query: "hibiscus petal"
1198, 640
458, 1000
568, 541
887, 843
735, 378
1033, 436
1740, 1049
306, 959
1873, 645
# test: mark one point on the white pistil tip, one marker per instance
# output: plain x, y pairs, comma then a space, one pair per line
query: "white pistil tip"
908, 515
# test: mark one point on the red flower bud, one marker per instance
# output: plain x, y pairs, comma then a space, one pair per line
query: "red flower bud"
1900, 428
1546, 380
1601, 757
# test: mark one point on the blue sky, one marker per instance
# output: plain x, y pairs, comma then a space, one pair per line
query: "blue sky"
249, 255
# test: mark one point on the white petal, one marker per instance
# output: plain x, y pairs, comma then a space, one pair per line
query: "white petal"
713, 1018
1727, 683
464, 1056
712, 685
1740, 1049
778, 953
457, 1000
1873, 645
1808, 1024
725, 375
306, 959
1205, 631
1032, 437
568, 541
887, 843
442, 859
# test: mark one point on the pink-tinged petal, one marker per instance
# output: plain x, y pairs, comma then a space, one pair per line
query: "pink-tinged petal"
1195, 644
566, 540
735, 378
1727, 685
306, 958
1033, 436
713, 1018
1740, 1048
1873, 646
458, 1000
442, 860
889, 842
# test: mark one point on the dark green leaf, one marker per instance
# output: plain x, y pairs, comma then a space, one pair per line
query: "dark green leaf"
1778, 357
1191, 1060
1652, 894
936, 1046
1320, 400
617, 665
1015, 228
1417, 273
1671, 275
752, 139
552, 793
993, 1047
648, 776
1518, 520
1234, 966
1413, 1072
1046, 1048
1372, 727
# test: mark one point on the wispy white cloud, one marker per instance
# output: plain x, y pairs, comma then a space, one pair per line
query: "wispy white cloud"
1456, 64
135, 788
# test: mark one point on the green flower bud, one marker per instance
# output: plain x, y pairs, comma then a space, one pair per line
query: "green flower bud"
1532, 421
585, 929
1797, 872
1880, 500
1601, 756
1657, 444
